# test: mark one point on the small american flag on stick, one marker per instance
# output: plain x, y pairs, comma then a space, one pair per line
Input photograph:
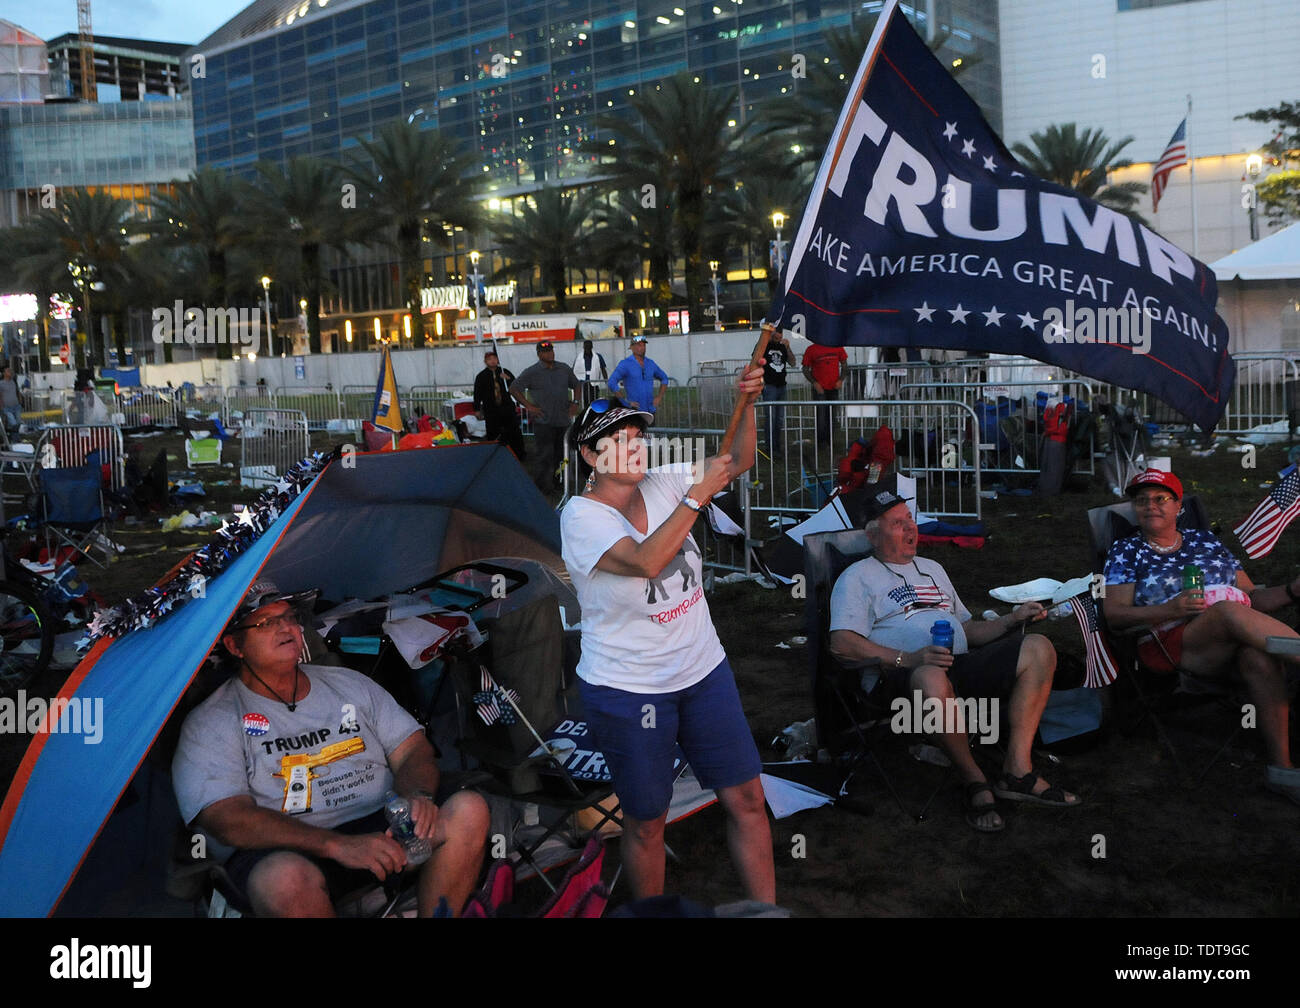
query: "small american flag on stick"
1101, 667
1260, 532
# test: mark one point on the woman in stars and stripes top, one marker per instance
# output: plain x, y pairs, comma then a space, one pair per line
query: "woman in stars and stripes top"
1202, 632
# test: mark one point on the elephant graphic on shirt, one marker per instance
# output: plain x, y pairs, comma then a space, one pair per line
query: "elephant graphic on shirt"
678, 565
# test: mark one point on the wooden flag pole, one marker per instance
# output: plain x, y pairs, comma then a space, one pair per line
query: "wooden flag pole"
746, 401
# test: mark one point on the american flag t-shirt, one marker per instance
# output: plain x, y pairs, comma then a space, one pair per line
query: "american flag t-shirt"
913, 598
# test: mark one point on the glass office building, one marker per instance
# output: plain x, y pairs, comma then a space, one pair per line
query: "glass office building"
127, 148
521, 83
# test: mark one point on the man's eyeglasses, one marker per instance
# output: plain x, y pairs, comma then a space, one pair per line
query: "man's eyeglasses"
284, 621
1158, 500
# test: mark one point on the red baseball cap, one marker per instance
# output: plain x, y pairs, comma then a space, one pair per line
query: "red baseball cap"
1156, 477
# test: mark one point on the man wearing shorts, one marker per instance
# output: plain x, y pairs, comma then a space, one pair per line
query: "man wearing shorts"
882, 611
289, 764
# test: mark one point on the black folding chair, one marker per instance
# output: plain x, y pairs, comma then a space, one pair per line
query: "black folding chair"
847, 710
525, 654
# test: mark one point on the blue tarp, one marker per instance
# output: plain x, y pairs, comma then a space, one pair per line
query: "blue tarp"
371, 524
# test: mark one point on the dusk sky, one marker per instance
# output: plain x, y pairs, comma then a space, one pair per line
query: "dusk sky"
157, 20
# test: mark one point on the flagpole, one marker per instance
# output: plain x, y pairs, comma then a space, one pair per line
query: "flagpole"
746, 401
1191, 167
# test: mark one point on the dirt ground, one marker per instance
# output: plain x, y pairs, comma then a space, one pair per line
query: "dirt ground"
1150, 841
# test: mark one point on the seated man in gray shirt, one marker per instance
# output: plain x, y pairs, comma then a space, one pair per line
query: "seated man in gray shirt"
884, 607
289, 764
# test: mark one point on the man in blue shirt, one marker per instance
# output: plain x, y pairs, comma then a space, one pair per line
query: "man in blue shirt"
637, 374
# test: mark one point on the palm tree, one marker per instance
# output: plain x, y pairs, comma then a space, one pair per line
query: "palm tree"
679, 145
1082, 162
303, 205
28, 266
420, 183
80, 248
746, 211
627, 235
550, 235
203, 213
807, 121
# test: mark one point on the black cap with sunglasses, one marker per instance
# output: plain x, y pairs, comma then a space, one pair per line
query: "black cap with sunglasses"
604, 416
263, 592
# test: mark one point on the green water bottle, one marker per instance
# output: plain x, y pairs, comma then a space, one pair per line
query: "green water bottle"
1193, 579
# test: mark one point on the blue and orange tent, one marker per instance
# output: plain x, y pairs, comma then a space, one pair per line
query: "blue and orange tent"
368, 525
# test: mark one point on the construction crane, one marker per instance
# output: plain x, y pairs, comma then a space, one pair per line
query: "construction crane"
87, 38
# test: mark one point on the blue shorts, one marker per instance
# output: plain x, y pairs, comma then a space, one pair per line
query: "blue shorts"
639, 734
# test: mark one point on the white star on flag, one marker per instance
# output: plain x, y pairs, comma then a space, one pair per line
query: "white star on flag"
993, 317
950, 130
958, 314
1027, 321
988, 163
924, 312
968, 147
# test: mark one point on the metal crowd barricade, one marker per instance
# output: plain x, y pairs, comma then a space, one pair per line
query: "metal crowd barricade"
271, 441
933, 438
146, 406
1008, 441
1267, 392
434, 400
239, 399
358, 402
322, 405
72, 443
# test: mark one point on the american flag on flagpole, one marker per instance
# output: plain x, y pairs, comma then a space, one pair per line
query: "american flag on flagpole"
1260, 532
1175, 154
1101, 667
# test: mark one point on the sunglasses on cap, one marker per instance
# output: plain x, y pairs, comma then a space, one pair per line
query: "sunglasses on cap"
638, 339
285, 621
545, 346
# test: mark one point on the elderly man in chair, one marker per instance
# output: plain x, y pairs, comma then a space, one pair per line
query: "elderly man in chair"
883, 609
289, 763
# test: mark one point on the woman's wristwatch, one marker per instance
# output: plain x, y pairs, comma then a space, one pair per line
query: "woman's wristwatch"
693, 504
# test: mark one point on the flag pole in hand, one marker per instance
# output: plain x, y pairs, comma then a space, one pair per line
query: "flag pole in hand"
746, 401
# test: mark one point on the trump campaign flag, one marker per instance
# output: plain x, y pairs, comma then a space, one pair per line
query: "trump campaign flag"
923, 231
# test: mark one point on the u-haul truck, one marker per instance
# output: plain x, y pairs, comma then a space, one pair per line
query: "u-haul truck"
539, 328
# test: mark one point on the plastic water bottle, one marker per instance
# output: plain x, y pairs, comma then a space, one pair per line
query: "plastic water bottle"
941, 634
1193, 579
398, 812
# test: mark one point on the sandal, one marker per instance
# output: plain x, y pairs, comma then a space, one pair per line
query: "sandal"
977, 811
1021, 789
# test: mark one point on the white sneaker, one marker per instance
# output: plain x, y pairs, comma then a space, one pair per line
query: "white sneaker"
1284, 781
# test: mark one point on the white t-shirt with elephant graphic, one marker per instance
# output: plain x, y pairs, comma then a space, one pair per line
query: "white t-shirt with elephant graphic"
640, 635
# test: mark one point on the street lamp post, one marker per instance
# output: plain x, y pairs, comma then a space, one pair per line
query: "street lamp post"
717, 314
478, 314
266, 303
778, 222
